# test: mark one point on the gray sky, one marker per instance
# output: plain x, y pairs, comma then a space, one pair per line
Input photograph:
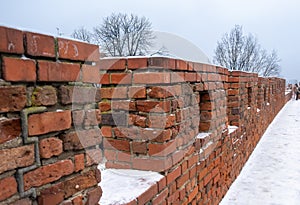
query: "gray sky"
275, 23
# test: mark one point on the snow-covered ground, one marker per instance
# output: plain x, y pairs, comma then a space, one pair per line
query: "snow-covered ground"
272, 173
121, 186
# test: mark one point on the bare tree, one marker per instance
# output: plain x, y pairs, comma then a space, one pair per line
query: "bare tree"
124, 35
236, 51
82, 34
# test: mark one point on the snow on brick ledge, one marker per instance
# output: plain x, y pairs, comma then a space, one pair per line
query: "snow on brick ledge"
121, 186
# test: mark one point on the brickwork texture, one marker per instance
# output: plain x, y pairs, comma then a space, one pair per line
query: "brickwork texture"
63, 110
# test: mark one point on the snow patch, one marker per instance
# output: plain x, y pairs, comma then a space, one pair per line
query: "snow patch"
202, 135
121, 186
231, 129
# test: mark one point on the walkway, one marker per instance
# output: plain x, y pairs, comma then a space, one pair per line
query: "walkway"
272, 174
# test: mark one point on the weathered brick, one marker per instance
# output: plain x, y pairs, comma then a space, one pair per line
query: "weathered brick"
152, 78
152, 164
39, 45
11, 40
49, 122
137, 92
153, 106
120, 78
161, 62
79, 162
50, 147
120, 145
78, 117
13, 98
8, 187
148, 194
112, 64
9, 129
75, 50
58, 72
94, 196
77, 94
139, 147
81, 139
90, 74
44, 95
16, 69
23, 156
92, 117
48, 173
114, 93
137, 63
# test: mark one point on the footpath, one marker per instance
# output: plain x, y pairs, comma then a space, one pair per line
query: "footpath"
271, 176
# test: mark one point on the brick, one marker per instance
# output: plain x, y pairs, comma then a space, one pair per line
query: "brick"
104, 106
139, 147
90, 74
78, 117
39, 45
161, 197
93, 196
48, 173
120, 78
53, 195
58, 72
25, 201
137, 92
78, 162
92, 117
181, 65
93, 156
23, 156
50, 147
120, 145
161, 121
49, 122
8, 187
182, 179
75, 50
10, 129
153, 106
11, 40
44, 95
106, 131
173, 175
138, 120
104, 79
160, 92
126, 105
162, 149
114, 119
19, 70
147, 195
152, 164
114, 93
77, 94
161, 62
78, 200
81, 139
81, 182
152, 78
112, 64
137, 63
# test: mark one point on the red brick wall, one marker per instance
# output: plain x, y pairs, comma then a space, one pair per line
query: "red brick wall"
47, 101
63, 111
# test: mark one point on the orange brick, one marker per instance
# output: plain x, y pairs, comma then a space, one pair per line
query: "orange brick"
137, 63
39, 45
8, 187
120, 78
152, 78
16, 69
58, 72
49, 122
75, 50
11, 40
112, 64
90, 74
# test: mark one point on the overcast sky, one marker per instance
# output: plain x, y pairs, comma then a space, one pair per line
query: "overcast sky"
275, 23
